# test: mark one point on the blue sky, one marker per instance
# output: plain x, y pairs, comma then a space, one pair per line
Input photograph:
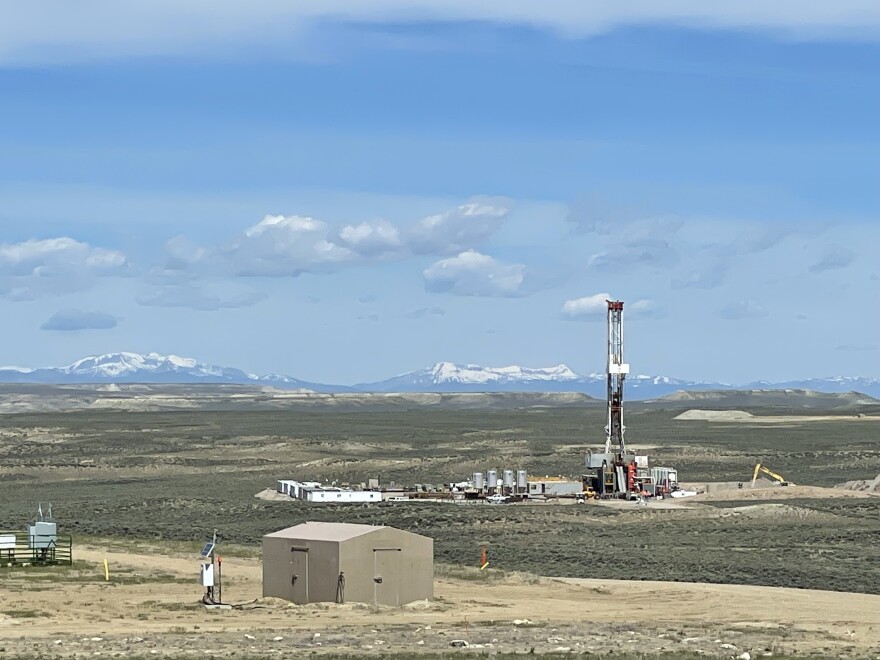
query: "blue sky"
342, 194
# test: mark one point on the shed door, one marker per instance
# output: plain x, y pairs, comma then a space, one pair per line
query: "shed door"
299, 575
386, 576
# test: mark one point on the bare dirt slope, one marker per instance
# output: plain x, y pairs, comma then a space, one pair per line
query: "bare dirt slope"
743, 417
150, 607
862, 485
774, 493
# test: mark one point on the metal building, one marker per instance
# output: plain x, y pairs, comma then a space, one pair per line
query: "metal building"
342, 562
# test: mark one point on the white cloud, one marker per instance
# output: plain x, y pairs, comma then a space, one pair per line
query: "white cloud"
51, 255
285, 245
288, 246
371, 238
60, 31
53, 266
473, 274
182, 253
463, 228
593, 307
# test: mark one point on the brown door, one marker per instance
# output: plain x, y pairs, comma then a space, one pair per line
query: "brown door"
299, 575
386, 576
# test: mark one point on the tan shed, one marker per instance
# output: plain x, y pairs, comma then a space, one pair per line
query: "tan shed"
341, 562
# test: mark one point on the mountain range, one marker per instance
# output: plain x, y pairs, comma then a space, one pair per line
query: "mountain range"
442, 377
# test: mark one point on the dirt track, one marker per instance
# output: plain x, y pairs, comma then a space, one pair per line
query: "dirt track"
87, 615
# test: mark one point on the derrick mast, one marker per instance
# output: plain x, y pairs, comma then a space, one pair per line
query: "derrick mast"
616, 370
616, 472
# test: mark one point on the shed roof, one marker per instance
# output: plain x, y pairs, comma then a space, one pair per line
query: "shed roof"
323, 531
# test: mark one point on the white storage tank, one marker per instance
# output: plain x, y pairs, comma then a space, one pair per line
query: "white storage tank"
522, 481
507, 479
479, 483
492, 477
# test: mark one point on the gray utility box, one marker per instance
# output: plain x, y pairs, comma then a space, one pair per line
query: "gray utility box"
43, 535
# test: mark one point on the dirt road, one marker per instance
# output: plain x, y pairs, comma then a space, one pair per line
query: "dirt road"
150, 606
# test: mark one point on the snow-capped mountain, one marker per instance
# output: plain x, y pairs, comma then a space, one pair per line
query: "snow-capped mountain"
442, 377
150, 368
123, 365
450, 377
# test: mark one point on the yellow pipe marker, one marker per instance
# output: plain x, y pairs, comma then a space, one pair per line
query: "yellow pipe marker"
106, 571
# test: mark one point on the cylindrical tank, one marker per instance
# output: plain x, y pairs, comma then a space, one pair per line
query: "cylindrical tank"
522, 481
507, 479
478, 481
663, 474
492, 478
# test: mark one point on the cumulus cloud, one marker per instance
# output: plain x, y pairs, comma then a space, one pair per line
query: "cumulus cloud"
590, 308
835, 257
474, 274
284, 246
371, 238
70, 320
744, 309
465, 227
53, 266
93, 29
288, 246
199, 299
181, 253
595, 308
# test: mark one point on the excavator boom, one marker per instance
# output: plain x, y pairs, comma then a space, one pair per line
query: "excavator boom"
768, 472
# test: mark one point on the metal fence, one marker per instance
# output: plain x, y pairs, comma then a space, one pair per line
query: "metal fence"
22, 548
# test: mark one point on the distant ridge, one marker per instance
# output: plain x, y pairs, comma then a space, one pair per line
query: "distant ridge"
781, 397
443, 377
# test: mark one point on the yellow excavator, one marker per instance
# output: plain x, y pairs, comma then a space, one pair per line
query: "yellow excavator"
770, 473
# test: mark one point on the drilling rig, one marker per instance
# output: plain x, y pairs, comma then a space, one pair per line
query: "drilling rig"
616, 472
